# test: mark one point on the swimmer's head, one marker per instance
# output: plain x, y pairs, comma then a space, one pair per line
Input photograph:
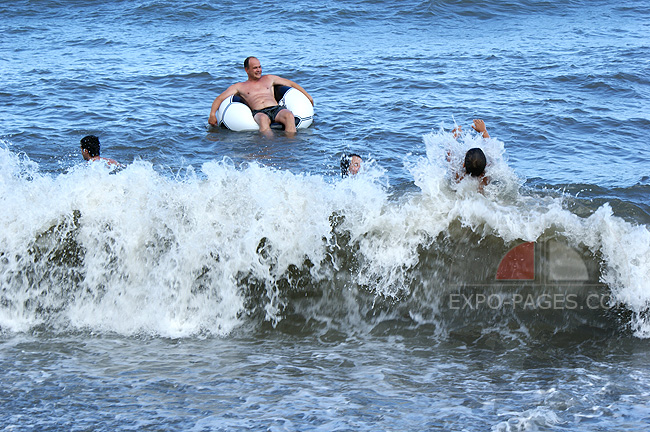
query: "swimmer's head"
350, 164
475, 162
90, 143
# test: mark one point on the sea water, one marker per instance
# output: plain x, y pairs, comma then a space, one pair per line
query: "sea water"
234, 281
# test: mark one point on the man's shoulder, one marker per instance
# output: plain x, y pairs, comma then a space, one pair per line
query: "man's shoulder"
271, 78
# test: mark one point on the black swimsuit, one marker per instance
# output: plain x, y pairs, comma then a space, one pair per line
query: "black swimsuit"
271, 111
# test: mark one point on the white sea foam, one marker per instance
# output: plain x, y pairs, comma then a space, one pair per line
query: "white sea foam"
136, 251
510, 214
529, 420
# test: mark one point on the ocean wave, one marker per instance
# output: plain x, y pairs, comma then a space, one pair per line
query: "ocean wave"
204, 252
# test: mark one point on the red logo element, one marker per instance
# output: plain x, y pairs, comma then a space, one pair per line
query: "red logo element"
518, 263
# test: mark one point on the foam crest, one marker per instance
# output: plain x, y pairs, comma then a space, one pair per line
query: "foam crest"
205, 250
510, 212
625, 249
134, 251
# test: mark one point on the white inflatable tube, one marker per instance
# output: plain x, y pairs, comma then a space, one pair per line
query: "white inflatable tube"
235, 115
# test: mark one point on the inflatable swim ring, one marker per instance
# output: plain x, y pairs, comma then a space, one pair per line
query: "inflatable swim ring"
235, 115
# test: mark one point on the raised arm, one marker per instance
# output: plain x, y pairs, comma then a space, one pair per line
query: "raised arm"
232, 90
479, 126
283, 81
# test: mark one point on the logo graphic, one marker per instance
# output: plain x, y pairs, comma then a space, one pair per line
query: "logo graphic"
547, 274
518, 263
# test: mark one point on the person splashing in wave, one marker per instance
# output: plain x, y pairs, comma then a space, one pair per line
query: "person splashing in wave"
257, 92
350, 164
475, 160
90, 150
478, 125
475, 165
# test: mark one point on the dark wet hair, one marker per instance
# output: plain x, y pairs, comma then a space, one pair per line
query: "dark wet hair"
475, 162
90, 143
247, 61
345, 163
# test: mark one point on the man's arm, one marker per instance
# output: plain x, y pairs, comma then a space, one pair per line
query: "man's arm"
283, 81
232, 90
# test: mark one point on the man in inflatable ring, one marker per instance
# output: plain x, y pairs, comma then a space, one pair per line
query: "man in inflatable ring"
257, 92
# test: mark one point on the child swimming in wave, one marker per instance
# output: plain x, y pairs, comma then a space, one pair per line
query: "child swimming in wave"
90, 150
350, 164
475, 160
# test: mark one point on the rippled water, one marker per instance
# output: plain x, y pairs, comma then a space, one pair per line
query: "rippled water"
293, 381
230, 281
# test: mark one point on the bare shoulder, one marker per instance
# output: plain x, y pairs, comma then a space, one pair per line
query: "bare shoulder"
277, 80
237, 86
269, 79
232, 90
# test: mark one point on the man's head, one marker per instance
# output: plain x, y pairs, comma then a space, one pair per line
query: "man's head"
475, 162
89, 147
247, 61
350, 164
253, 67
